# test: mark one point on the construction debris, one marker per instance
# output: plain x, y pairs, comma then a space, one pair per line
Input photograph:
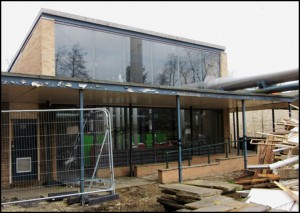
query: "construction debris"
204, 196
278, 158
270, 185
274, 198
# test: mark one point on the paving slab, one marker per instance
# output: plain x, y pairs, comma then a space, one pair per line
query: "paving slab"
184, 190
215, 200
224, 186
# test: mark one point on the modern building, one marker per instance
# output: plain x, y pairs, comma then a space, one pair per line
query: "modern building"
142, 77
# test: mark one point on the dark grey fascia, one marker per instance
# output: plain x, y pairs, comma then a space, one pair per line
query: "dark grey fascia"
69, 83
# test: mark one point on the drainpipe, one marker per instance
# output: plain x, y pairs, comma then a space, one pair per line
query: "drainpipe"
81, 147
179, 139
244, 135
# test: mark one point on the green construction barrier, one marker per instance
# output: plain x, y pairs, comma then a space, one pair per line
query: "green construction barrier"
88, 144
161, 137
149, 140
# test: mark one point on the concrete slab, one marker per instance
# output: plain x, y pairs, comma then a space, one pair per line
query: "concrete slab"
192, 191
224, 186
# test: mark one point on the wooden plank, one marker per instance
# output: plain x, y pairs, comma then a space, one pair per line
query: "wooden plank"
252, 181
190, 191
270, 176
260, 185
208, 201
288, 191
224, 186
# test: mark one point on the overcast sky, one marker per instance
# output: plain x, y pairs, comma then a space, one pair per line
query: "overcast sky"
260, 37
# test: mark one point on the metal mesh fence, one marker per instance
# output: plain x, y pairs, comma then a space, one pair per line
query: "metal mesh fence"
50, 154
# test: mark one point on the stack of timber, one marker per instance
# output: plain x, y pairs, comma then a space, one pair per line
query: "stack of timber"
279, 153
203, 196
278, 166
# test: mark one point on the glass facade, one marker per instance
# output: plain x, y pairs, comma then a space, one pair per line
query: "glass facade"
90, 54
153, 127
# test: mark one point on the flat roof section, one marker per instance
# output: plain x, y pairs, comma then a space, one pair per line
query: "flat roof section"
125, 27
62, 16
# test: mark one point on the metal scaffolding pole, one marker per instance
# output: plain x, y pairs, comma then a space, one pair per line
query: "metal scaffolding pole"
234, 133
130, 140
290, 109
81, 147
179, 139
237, 131
191, 124
244, 135
273, 119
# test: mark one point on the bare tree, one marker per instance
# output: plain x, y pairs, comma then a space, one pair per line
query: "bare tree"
168, 76
71, 63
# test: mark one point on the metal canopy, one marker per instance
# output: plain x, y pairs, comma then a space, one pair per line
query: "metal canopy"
20, 88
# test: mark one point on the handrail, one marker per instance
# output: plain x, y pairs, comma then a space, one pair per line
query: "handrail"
198, 147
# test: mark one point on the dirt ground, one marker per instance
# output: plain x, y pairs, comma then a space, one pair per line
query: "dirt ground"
135, 195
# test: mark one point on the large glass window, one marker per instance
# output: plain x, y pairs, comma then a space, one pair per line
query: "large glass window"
86, 53
207, 125
73, 52
165, 68
111, 57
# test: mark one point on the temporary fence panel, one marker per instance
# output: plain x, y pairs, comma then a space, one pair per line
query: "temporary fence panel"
43, 157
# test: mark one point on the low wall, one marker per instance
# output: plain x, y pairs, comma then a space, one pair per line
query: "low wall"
120, 171
192, 172
151, 169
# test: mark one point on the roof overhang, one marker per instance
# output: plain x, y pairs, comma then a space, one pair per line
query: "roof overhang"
20, 88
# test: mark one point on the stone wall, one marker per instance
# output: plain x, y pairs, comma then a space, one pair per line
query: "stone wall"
260, 121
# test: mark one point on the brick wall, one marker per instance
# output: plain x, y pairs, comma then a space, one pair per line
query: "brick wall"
223, 65
260, 121
48, 47
37, 57
193, 172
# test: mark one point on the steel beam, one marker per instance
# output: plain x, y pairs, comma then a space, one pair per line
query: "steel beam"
179, 140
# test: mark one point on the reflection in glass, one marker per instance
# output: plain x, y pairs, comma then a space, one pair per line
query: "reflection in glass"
71, 63
110, 56
86, 53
